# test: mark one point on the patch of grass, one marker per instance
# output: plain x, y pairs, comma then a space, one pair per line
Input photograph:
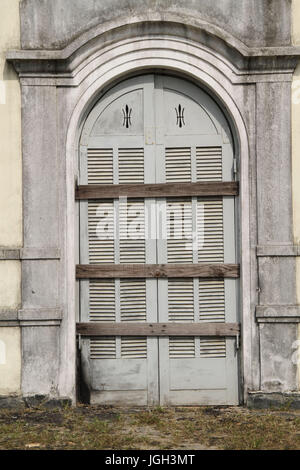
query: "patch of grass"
148, 418
96, 427
159, 409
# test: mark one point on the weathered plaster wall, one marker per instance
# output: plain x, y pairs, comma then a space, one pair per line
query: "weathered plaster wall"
10, 197
10, 284
10, 361
296, 22
10, 130
254, 22
296, 149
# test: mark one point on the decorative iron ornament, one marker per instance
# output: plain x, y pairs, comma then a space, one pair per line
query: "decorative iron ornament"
180, 116
127, 116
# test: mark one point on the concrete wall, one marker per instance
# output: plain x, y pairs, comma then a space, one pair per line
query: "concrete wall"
254, 22
10, 131
10, 361
10, 199
296, 147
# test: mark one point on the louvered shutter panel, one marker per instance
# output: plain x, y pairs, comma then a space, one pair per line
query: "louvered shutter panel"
209, 163
181, 300
101, 250
179, 231
210, 230
100, 166
103, 348
132, 231
131, 166
134, 347
211, 300
102, 300
100, 213
133, 300
212, 347
102, 308
180, 250
101, 231
181, 309
210, 236
210, 249
181, 347
178, 164
132, 250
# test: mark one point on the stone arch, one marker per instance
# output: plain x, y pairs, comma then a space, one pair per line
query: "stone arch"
203, 67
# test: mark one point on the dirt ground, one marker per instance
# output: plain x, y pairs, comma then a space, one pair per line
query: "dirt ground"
107, 427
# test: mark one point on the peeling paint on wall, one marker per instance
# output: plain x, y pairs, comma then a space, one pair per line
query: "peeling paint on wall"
10, 197
10, 130
10, 361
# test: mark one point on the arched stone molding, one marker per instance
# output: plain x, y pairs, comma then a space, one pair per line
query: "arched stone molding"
177, 62
187, 23
181, 19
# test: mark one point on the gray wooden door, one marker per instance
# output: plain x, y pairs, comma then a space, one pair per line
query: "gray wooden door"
156, 129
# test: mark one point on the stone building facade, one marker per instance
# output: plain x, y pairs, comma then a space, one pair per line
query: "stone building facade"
58, 58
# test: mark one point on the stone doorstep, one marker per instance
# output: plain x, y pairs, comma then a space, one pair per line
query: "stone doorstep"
260, 400
33, 401
264, 400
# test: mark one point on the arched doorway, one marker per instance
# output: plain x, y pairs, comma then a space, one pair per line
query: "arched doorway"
158, 288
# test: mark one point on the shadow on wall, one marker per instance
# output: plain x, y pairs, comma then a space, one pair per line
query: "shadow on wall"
9, 72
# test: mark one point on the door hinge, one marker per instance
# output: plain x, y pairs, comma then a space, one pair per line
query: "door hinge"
237, 342
234, 167
79, 342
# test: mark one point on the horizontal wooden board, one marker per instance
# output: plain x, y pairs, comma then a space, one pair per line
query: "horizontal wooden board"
110, 191
157, 329
97, 271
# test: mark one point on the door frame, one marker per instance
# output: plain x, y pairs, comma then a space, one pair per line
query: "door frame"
127, 85
197, 74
